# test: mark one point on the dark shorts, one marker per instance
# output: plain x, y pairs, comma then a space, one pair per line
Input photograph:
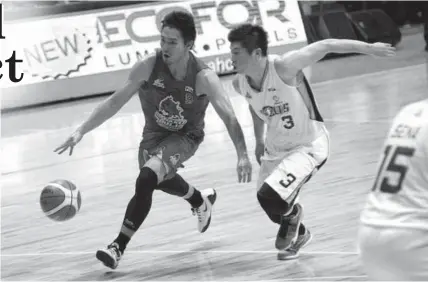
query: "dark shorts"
174, 149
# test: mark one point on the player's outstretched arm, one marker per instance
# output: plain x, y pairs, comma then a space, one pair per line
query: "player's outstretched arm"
294, 61
110, 106
207, 82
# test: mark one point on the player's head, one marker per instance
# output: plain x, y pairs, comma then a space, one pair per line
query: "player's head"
248, 44
178, 34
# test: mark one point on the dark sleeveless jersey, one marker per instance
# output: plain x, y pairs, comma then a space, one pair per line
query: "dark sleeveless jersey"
170, 105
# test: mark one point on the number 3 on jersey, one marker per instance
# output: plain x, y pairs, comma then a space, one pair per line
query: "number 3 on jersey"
392, 153
288, 121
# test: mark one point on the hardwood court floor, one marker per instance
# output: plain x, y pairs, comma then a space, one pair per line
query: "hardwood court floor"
239, 245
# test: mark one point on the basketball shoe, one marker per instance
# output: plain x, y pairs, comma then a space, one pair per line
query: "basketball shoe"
288, 229
293, 251
110, 256
203, 212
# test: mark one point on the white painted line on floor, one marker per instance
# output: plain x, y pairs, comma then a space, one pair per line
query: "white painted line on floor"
317, 278
172, 252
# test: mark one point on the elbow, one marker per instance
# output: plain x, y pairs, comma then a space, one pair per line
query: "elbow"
328, 45
110, 107
115, 103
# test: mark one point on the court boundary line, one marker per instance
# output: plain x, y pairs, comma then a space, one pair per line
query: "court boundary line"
324, 277
174, 252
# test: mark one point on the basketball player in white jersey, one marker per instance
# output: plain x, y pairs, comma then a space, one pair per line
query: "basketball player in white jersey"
393, 236
297, 142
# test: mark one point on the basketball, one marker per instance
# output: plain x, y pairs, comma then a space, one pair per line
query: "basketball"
60, 200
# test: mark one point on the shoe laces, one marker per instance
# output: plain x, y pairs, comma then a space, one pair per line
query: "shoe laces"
198, 212
114, 248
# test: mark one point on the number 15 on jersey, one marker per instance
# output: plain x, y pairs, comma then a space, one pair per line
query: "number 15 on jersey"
394, 161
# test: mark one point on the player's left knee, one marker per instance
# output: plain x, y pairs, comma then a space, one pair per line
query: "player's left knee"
271, 201
146, 182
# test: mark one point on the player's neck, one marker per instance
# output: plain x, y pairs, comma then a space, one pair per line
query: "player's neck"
257, 74
179, 69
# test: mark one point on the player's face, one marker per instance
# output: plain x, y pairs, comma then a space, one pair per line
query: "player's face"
241, 59
172, 45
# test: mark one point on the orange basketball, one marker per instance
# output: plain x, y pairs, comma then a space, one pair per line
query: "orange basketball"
60, 200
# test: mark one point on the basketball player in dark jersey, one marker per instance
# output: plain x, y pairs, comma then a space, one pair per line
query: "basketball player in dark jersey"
175, 89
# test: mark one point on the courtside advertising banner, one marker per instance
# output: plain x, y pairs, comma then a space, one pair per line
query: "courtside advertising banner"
99, 42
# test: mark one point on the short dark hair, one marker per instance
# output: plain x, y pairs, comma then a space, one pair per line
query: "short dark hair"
183, 22
250, 36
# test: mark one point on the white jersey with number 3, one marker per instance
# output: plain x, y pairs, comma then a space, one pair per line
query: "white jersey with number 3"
399, 197
290, 112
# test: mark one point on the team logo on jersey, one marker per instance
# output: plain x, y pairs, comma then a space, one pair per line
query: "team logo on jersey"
276, 99
169, 115
278, 109
159, 83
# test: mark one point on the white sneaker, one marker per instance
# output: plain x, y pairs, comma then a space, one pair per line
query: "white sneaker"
110, 256
204, 211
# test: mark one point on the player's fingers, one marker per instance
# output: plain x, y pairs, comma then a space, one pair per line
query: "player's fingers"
249, 176
63, 149
239, 175
244, 175
71, 150
59, 148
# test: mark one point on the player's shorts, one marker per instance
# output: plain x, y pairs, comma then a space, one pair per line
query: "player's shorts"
287, 175
394, 253
174, 149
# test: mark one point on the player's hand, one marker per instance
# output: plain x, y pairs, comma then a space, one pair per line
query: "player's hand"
70, 143
260, 149
380, 49
244, 169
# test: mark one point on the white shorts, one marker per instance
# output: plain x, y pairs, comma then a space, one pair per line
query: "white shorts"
286, 175
393, 253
